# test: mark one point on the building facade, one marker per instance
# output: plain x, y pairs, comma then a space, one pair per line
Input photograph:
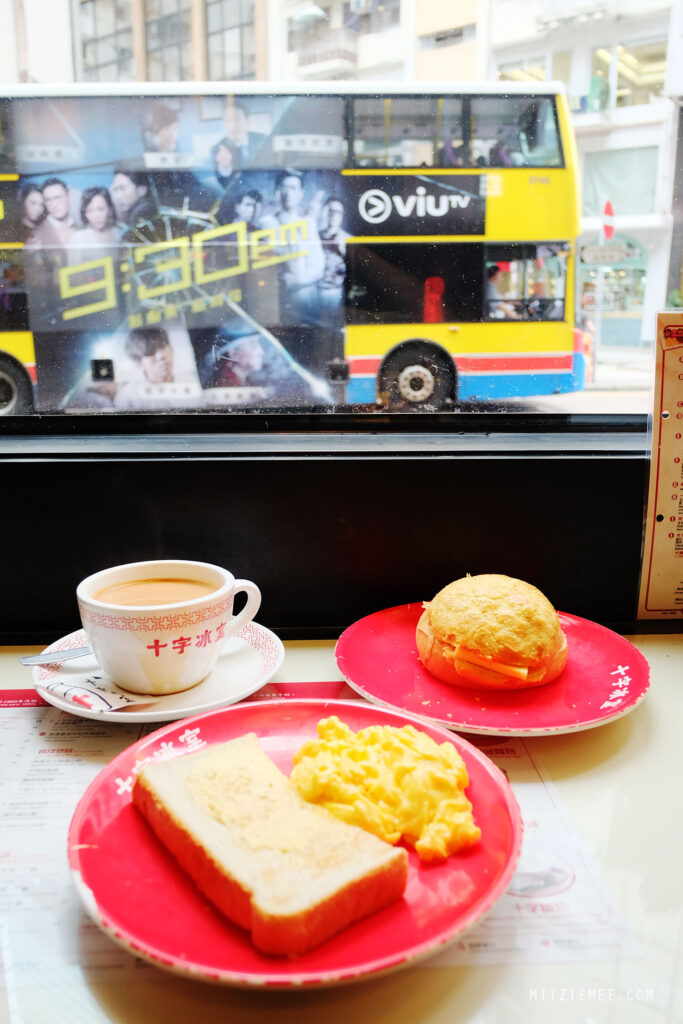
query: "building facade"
170, 40
613, 61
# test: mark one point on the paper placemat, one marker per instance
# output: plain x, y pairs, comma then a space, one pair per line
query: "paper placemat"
557, 908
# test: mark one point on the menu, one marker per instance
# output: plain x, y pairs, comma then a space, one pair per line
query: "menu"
555, 909
661, 583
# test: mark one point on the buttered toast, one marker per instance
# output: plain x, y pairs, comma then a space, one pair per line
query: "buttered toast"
288, 871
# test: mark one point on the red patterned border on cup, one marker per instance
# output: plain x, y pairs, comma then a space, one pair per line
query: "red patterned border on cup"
155, 623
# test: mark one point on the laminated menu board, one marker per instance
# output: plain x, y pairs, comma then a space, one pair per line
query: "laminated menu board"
661, 583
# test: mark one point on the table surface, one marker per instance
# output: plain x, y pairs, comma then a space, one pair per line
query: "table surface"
619, 786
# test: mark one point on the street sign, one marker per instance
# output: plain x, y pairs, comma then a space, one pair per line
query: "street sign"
604, 254
608, 221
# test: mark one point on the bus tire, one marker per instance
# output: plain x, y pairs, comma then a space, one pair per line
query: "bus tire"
416, 377
16, 390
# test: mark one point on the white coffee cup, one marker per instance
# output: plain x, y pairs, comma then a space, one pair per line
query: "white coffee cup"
163, 648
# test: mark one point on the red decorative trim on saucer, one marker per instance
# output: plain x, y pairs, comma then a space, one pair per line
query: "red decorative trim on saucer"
262, 642
155, 623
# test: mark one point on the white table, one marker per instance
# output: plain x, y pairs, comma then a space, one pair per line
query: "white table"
620, 785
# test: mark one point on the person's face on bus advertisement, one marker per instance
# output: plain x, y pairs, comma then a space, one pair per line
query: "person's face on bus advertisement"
158, 367
249, 354
246, 210
236, 124
97, 213
34, 207
291, 193
225, 159
56, 200
166, 138
331, 217
124, 193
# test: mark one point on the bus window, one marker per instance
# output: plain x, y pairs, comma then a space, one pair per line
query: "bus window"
13, 304
7, 159
395, 131
310, 132
514, 131
525, 282
452, 143
389, 282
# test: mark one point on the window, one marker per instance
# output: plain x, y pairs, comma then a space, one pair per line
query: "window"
560, 69
231, 48
169, 50
626, 176
555, 67
372, 15
514, 131
13, 303
627, 75
309, 131
392, 283
388, 283
525, 282
395, 132
504, 131
530, 70
106, 40
642, 69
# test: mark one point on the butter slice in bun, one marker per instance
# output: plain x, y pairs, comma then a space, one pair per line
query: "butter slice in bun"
491, 632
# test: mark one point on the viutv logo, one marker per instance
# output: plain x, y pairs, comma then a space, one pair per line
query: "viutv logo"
375, 206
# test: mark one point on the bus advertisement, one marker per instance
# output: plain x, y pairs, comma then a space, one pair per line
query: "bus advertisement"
255, 251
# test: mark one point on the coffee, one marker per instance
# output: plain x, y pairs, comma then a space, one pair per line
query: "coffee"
166, 590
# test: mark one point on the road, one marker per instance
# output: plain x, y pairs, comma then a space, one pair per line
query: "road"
593, 400
624, 383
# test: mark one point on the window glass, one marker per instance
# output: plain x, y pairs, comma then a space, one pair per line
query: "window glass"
525, 282
393, 283
452, 148
167, 40
13, 304
514, 131
369, 16
395, 132
446, 282
230, 40
600, 88
561, 63
106, 46
627, 177
641, 72
214, 17
106, 16
531, 70
87, 19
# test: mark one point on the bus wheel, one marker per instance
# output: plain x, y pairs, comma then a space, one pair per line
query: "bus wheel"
16, 392
416, 378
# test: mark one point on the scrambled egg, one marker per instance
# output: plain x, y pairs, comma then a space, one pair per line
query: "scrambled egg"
395, 783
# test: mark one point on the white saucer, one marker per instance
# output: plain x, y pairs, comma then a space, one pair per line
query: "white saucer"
248, 661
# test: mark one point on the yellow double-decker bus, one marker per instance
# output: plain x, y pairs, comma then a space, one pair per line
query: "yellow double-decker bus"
461, 279
242, 249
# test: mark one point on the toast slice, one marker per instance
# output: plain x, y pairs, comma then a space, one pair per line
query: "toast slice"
288, 871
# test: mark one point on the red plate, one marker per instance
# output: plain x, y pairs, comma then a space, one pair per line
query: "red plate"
136, 892
605, 678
